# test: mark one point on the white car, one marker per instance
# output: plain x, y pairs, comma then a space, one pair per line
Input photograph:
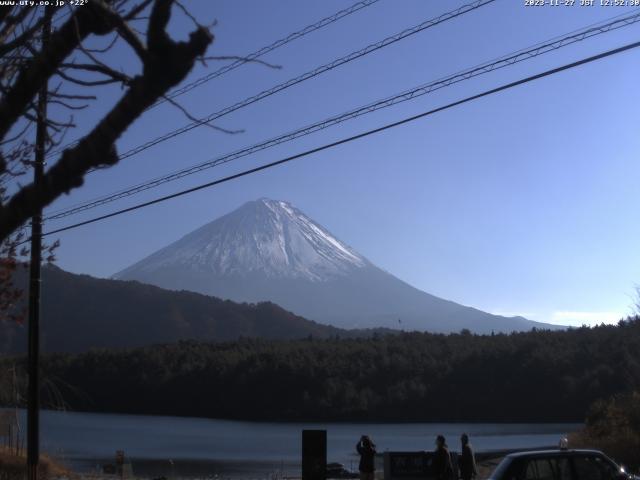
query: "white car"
562, 464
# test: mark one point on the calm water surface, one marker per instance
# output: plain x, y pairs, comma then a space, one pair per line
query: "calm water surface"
174, 446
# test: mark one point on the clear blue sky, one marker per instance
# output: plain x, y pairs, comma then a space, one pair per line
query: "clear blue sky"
522, 203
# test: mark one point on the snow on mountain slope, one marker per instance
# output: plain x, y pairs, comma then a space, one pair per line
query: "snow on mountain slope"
268, 237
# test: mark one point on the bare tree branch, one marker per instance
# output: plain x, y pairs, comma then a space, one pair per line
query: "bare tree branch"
106, 48
195, 119
188, 14
88, 20
11, 22
135, 11
5, 11
89, 83
23, 38
165, 64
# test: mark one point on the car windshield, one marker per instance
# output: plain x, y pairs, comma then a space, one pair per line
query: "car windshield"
505, 470
547, 468
595, 467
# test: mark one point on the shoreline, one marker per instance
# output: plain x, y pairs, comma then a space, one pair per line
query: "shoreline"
246, 468
195, 447
304, 421
191, 469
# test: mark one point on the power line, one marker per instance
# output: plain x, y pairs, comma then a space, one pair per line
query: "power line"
367, 133
269, 48
510, 59
253, 56
501, 62
310, 74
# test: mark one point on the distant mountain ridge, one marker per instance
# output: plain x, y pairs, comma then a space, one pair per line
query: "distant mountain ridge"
80, 312
269, 250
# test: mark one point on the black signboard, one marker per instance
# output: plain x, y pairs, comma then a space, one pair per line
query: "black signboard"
409, 464
413, 465
314, 454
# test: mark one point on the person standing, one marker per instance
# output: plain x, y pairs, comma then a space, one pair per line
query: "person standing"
367, 450
442, 466
467, 461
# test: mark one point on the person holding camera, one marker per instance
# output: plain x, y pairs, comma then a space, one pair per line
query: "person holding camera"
367, 450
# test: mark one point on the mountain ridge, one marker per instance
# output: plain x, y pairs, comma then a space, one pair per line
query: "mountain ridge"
80, 312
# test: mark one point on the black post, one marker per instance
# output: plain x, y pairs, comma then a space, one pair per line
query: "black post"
314, 454
33, 402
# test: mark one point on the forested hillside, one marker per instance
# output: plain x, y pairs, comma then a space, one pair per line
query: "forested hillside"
80, 312
535, 376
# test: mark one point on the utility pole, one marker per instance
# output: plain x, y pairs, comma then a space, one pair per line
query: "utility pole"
33, 400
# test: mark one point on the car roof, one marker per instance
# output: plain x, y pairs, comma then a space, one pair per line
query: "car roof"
536, 453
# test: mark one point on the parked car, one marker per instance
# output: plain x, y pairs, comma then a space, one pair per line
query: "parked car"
338, 470
562, 464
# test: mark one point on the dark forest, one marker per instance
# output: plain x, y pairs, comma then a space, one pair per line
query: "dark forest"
538, 376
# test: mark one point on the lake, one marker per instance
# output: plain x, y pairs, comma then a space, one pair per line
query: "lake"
197, 447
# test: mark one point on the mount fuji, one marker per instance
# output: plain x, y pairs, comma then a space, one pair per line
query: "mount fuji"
268, 250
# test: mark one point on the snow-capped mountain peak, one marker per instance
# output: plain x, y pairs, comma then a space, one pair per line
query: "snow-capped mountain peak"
265, 237
268, 250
